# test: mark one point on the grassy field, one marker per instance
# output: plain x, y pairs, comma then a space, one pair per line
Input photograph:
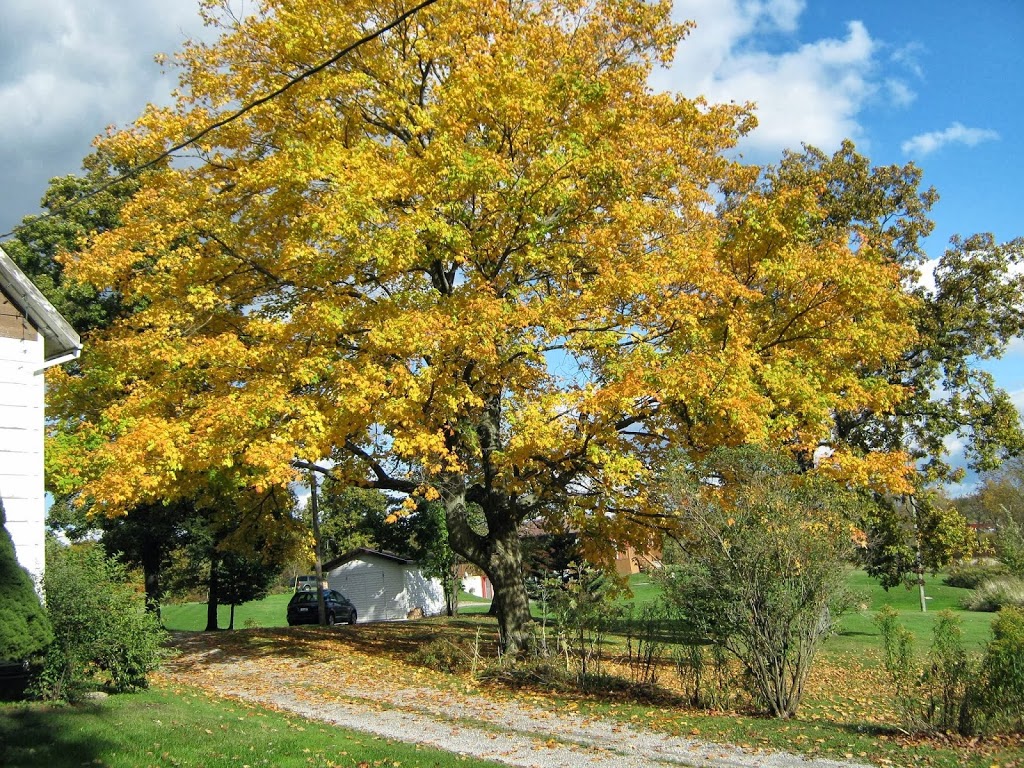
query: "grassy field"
857, 629
268, 612
187, 729
847, 710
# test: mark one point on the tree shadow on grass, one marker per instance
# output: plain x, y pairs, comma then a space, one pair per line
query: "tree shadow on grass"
39, 736
309, 644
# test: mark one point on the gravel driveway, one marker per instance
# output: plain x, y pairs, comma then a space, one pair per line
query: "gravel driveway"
503, 731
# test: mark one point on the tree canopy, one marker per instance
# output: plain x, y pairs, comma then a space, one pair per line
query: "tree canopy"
478, 260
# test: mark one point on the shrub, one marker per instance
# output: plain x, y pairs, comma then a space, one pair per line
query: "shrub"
645, 642
953, 693
706, 677
992, 595
24, 628
998, 698
103, 634
973, 575
945, 681
585, 613
898, 646
762, 570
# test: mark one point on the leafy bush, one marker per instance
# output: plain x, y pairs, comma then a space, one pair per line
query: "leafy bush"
947, 678
585, 613
954, 693
103, 633
898, 646
998, 699
762, 569
995, 594
24, 628
973, 575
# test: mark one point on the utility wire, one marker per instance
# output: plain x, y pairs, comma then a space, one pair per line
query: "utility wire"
226, 120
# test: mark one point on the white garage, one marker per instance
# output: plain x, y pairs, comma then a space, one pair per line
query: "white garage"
384, 587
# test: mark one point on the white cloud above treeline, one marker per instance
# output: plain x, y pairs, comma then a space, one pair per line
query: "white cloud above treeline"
957, 133
810, 92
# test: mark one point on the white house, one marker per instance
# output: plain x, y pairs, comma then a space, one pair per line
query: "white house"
384, 587
33, 336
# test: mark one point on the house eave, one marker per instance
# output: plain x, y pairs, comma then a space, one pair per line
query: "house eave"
60, 341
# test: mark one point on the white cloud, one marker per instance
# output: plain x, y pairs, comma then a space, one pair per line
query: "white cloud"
1017, 398
899, 92
908, 57
811, 93
957, 133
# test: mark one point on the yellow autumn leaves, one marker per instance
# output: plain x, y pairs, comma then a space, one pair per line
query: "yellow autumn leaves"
486, 211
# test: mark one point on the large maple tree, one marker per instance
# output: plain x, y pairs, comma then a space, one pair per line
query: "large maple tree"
476, 260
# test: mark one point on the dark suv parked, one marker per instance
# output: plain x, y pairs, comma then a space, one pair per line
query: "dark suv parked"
302, 608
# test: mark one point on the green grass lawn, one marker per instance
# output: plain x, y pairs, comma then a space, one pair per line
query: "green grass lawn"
187, 729
191, 617
269, 612
858, 630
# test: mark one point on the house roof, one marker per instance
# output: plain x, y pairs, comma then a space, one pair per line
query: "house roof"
360, 552
60, 340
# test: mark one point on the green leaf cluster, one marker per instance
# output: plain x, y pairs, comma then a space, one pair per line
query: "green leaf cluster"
103, 634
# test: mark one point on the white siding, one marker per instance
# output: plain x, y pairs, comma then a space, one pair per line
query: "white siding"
386, 590
21, 448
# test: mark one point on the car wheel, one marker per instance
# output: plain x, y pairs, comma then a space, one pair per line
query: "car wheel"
330, 619
352, 617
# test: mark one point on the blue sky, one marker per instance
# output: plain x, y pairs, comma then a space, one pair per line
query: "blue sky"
935, 82
932, 81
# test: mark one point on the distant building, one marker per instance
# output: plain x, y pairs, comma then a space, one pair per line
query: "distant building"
383, 586
33, 336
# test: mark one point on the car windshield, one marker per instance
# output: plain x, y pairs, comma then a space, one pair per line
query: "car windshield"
305, 597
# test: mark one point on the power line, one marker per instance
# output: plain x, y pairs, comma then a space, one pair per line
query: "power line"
229, 119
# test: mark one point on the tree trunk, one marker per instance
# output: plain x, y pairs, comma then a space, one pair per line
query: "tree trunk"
499, 555
505, 570
211, 600
231, 621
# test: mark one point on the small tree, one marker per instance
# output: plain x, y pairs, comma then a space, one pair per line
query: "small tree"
241, 579
24, 628
761, 572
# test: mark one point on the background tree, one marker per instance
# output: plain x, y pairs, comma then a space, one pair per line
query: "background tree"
148, 538
477, 262
345, 515
39, 240
241, 579
999, 504
970, 314
24, 628
764, 551
912, 535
